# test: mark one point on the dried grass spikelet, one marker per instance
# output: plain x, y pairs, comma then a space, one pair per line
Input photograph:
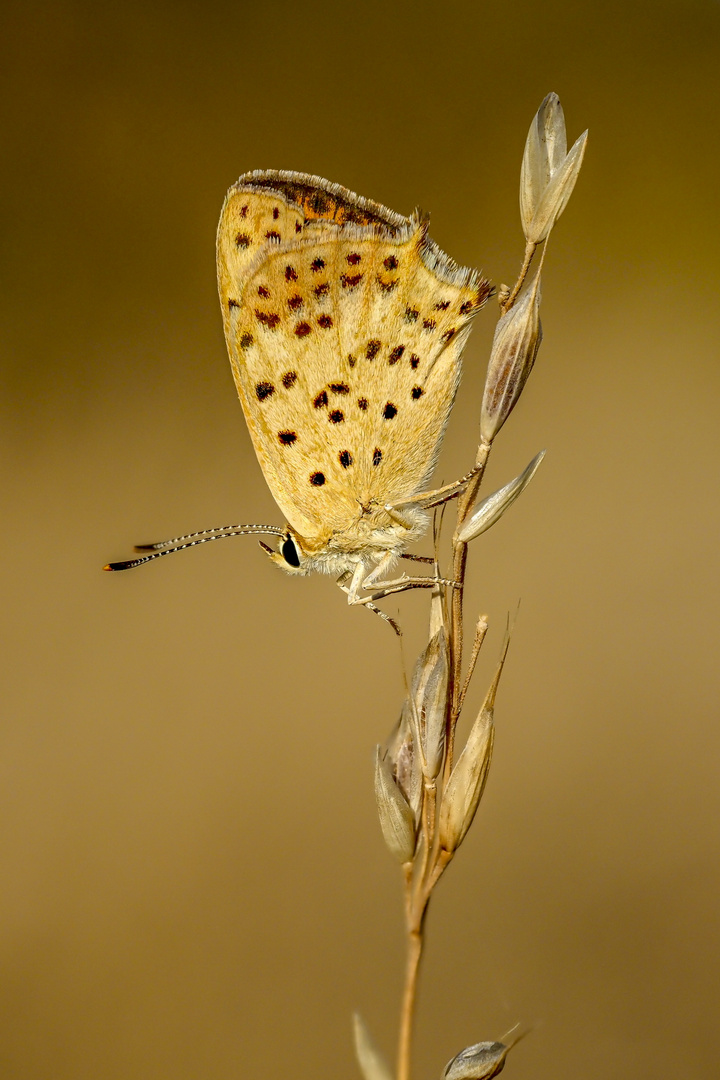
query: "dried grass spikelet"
478, 1062
403, 754
372, 1064
492, 508
515, 345
548, 172
429, 697
461, 797
462, 794
397, 820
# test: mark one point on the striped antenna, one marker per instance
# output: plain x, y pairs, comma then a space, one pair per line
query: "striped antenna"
179, 543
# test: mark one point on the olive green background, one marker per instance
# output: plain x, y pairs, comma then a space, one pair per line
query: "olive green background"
194, 883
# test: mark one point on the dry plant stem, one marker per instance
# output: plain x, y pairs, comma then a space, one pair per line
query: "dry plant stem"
456, 617
428, 827
416, 906
412, 970
480, 632
434, 862
529, 252
420, 881
443, 824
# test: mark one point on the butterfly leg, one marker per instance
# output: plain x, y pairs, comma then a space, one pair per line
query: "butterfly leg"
427, 499
382, 589
350, 583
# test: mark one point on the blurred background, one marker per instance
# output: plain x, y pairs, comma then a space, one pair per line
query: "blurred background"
194, 882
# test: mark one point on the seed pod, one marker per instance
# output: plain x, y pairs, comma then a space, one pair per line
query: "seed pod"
478, 1062
396, 817
494, 506
517, 339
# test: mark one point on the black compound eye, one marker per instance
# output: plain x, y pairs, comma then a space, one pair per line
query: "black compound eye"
290, 552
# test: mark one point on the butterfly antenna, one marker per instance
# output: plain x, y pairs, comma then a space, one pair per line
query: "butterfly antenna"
179, 543
232, 530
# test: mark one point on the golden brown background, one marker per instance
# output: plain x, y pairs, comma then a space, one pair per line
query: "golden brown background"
194, 884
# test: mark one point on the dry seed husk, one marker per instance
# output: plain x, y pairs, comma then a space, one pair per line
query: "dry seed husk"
517, 339
396, 817
545, 150
492, 508
478, 1062
555, 197
430, 699
372, 1064
464, 789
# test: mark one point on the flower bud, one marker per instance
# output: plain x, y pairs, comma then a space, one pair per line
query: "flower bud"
494, 506
396, 817
517, 339
478, 1062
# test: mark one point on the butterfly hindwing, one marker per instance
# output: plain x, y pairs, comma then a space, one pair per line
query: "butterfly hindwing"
345, 330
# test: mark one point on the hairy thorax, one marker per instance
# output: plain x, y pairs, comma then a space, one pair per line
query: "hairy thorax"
376, 532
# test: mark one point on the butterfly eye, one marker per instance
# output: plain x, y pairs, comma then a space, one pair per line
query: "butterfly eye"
290, 552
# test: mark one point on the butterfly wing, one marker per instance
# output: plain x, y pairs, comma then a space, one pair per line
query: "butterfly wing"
345, 326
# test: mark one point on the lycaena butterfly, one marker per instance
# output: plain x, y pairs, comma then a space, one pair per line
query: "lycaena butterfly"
345, 326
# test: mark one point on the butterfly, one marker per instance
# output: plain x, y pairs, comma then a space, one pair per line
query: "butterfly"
345, 325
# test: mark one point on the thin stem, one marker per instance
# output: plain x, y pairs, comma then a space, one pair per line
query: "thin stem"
529, 252
444, 858
431, 808
417, 898
408, 870
412, 969
480, 632
420, 884
456, 617
427, 839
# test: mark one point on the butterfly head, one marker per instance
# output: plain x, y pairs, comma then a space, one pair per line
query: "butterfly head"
289, 556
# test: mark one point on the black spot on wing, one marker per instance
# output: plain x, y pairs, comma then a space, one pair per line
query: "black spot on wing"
264, 390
